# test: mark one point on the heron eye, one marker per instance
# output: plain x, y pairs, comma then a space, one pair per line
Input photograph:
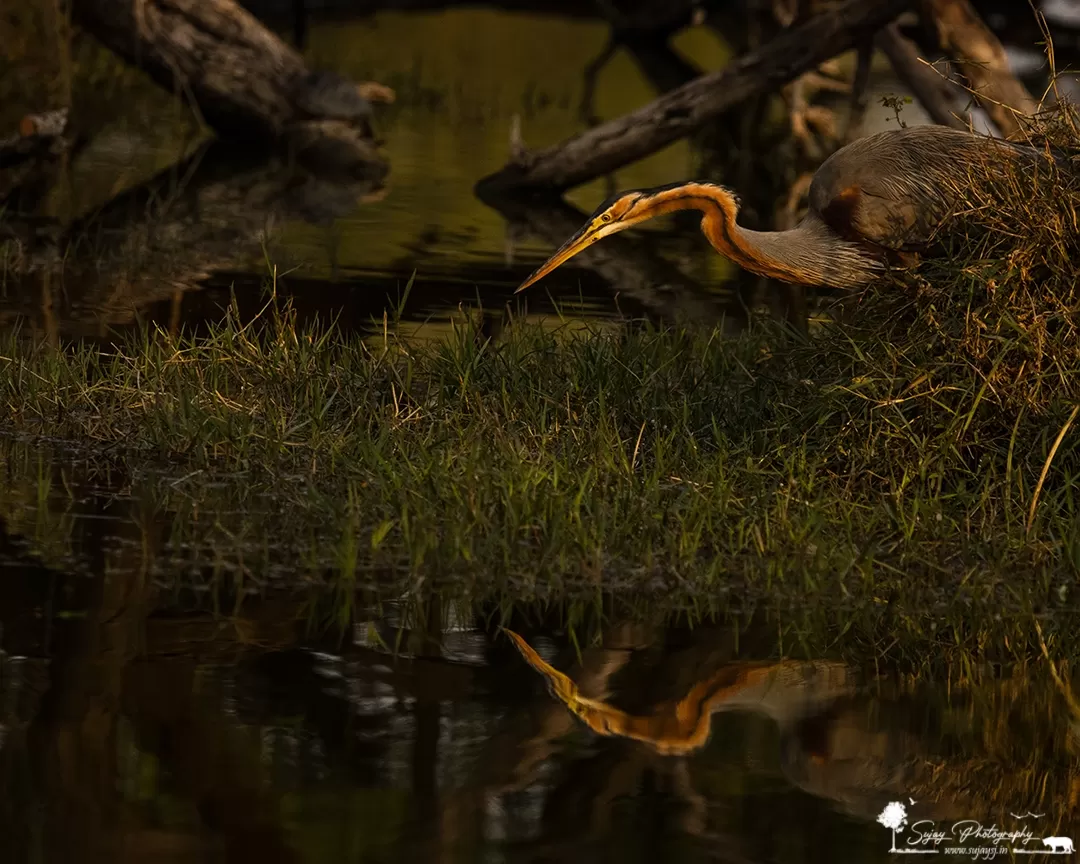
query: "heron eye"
606, 217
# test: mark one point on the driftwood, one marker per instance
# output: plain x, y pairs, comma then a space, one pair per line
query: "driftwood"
676, 114
982, 60
243, 80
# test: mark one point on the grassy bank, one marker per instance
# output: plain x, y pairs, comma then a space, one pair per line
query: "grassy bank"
637, 457
922, 446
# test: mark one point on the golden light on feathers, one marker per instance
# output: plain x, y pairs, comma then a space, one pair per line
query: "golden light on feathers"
872, 204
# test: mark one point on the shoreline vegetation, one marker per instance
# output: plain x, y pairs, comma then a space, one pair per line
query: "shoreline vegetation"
918, 447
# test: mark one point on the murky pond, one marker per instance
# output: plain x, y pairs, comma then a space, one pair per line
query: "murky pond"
178, 682
168, 227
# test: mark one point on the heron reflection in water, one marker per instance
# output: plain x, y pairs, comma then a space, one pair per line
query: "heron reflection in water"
878, 202
785, 690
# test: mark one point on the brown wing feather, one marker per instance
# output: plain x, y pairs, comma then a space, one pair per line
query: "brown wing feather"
896, 189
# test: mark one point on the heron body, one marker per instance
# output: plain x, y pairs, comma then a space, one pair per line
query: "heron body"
870, 204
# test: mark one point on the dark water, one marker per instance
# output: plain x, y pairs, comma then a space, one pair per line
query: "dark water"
460, 77
167, 228
188, 739
176, 685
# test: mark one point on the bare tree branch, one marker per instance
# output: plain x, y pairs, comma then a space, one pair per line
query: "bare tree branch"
676, 114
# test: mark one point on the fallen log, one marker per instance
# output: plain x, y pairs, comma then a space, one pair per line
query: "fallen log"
607, 147
983, 62
243, 80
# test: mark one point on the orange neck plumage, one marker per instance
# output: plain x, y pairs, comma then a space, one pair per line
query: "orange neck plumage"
808, 254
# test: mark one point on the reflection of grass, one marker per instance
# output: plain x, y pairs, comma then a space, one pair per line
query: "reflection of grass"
38, 508
224, 532
1007, 748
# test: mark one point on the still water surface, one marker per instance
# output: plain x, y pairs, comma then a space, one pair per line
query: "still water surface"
176, 685
168, 229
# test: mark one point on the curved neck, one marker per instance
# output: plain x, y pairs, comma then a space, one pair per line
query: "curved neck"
809, 254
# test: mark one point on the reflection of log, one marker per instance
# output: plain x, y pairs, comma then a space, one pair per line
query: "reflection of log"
627, 264
211, 202
28, 161
168, 234
678, 113
244, 80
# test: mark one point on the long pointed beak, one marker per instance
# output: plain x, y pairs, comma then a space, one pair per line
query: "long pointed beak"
563, 254
561, 684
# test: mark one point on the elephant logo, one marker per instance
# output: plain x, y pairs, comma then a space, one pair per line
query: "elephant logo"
1058, 845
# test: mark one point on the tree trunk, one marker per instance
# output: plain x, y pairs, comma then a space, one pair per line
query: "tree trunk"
982, 59
933, 90
244, 81
611, 145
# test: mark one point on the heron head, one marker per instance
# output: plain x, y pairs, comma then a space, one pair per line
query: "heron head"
618, 213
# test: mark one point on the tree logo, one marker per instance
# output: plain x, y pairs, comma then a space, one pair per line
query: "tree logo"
926, 836
893, 817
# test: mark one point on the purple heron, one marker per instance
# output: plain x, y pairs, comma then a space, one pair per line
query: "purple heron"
872, 204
